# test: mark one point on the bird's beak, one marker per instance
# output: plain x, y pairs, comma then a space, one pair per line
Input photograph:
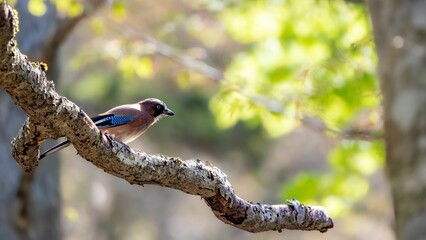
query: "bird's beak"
168, 112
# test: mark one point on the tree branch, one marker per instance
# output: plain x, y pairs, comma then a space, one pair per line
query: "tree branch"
51, 115
25, 147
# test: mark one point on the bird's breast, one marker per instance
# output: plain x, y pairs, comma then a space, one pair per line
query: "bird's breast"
124, 133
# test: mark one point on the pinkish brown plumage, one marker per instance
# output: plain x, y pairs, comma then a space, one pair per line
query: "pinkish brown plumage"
125, 122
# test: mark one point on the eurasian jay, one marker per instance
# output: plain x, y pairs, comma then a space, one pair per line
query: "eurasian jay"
125, 122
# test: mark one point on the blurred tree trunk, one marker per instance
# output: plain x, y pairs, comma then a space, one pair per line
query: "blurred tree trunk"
30, 205
399, 31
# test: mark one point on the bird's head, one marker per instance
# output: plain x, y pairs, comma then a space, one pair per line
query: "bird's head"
156, 108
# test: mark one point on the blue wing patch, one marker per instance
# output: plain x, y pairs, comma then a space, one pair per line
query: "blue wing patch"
111, 120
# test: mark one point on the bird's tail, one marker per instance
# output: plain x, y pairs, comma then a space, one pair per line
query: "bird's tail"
56, 148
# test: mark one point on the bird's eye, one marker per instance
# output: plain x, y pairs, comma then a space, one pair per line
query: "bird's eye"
159, 107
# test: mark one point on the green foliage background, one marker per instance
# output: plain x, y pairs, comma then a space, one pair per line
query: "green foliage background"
311, 58
283, 62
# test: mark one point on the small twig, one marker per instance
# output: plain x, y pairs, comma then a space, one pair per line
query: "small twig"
350, 134
170, 52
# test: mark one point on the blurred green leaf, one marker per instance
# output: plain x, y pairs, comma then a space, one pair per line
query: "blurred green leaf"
37, 7
131, 65
71, 7
361, 157
183, 80
144, 67
97, 25
119, 9
337, 193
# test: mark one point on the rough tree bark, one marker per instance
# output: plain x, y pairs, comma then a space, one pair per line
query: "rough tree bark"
400, 37
30, 204
51, 116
